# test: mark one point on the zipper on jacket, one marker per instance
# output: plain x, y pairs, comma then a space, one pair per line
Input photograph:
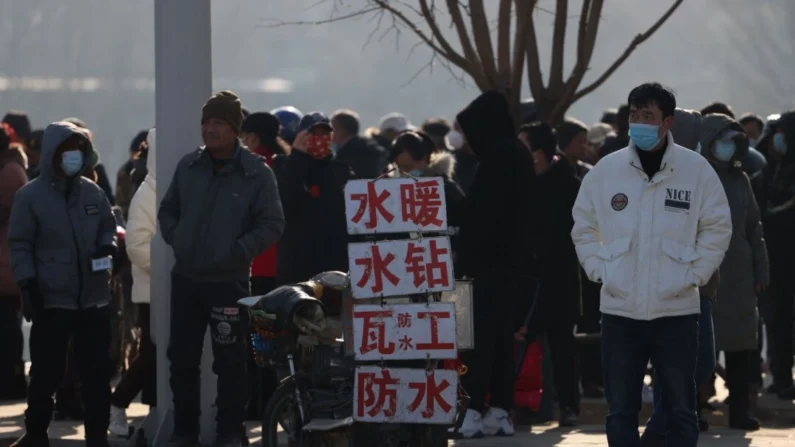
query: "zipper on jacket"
79, 261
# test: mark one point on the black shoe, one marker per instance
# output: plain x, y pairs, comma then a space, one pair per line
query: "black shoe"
744, 422
28, 440
227, 440
786, 393
648, 439
183, 441
568, 417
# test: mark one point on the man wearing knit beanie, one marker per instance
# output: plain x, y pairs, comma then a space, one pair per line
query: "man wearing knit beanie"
221, 210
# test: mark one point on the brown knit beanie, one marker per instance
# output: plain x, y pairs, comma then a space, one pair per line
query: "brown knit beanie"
225, 106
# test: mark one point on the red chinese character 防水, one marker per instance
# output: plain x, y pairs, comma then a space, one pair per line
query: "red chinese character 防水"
434, 344
374, 333
373, 203
375, 392
421, 203
431, 393
378, 267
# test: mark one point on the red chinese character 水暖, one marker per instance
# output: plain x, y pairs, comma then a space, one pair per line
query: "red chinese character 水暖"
377, 267
421, 203
374, 333
377, 393
373, 203
430, 392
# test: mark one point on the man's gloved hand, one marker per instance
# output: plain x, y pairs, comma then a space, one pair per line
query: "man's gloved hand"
31, 299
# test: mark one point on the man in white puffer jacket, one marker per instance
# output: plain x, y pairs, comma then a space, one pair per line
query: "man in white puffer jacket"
652, 224
141, 226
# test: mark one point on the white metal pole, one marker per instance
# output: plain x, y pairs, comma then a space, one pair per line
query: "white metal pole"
183, 82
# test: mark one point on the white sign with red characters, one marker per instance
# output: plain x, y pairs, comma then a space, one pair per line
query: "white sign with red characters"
401, 267
401, 395
404, 331
395, 205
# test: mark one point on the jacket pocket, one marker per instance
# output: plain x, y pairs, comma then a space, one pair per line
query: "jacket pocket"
618, 270
53, 270
675, 274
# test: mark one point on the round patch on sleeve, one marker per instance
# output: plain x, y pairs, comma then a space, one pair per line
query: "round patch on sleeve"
619, 201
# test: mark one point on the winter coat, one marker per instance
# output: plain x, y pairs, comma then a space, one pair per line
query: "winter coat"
466, 165
141, 227
217, 223
558, 267
497, 238
365, 156
735, 313
315, 236
13, 165
780, 218
104, 182
124, 187
264, 265
57, 226
651, 243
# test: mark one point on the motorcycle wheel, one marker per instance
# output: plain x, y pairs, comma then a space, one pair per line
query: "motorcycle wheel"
282, 411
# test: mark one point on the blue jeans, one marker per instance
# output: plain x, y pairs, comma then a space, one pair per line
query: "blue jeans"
671, 343
705, 366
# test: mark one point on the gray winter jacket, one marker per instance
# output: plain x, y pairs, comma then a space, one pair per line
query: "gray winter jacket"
218, 223
56, 227
745, 265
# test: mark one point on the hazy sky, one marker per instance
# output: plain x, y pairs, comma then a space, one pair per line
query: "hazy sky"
95, 59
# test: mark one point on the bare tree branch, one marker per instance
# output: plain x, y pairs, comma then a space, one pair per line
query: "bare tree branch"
504, 41
534, 75
454, 57
482, 37
640, 38
558, 45
280, 23
454, 8
524, 16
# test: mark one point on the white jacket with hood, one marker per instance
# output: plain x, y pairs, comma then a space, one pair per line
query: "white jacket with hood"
141, 226
651, 243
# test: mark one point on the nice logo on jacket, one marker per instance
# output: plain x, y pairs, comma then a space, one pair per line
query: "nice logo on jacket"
677, 200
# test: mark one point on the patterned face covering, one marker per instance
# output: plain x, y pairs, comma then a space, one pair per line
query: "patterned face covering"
318, 146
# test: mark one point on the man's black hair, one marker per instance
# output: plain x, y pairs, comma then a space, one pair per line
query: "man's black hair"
717, 107
609, 116
347, 120
752, 117
541, 136
622, 119
653, 93
416, 143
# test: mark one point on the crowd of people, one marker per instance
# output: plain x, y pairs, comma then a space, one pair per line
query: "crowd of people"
667, 231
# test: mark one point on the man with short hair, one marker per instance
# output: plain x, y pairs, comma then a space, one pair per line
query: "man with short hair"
753, 125
717, 107
572, 136
365, 156
437, 129
220, 211
652, 224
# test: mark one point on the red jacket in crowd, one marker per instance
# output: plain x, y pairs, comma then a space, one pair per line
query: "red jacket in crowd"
264, 265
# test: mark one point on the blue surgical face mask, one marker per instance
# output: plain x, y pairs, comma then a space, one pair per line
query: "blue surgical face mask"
779, 143
72, 163
724, 150
416, 173
644, 135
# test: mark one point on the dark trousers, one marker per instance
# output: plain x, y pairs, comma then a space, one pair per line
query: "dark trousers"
194, 306
705, 366
781, 294
12, 368
263, 381
89, 330
671, 344
141, 376
490, 366
590, 353
560, 339
740, 368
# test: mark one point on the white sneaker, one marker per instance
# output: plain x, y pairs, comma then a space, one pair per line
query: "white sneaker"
497, 422
118, 422
472, 427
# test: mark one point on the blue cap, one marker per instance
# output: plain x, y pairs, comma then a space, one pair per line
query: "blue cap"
312, 120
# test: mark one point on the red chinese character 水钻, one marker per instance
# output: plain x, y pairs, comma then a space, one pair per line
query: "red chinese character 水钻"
404, 320
405, 343
435, 344
378, 267
421, 203
373, 203
375, 393
433, 272
374, 332
430, 392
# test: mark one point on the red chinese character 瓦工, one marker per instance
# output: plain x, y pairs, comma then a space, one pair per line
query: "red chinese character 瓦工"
373, 203
434, 344
434, 272
430, 392
404, 320
374, 332
421, 203
374, 392
405, 343
378, 267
